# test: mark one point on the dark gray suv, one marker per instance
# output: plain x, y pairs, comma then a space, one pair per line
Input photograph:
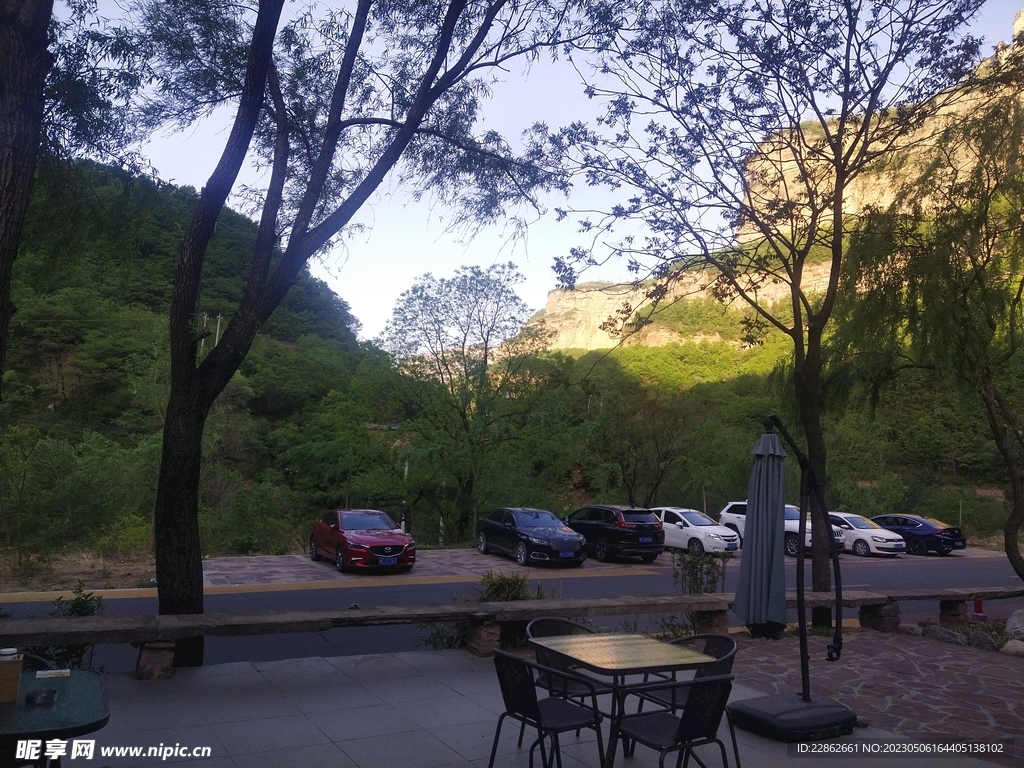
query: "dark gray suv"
619, 531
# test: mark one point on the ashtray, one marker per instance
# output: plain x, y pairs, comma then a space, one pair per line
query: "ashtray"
41, 698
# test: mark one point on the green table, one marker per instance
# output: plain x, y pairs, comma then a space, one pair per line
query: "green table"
80, 708
617, 656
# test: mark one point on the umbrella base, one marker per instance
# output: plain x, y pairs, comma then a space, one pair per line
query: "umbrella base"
787, 717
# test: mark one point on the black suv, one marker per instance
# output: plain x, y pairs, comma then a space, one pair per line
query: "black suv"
611, 530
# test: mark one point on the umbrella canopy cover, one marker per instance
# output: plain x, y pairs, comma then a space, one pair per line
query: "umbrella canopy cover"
761, 592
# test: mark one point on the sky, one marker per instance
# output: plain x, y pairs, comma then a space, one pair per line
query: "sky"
403, 239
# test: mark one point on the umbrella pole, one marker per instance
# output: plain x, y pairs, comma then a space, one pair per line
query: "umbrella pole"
801, 610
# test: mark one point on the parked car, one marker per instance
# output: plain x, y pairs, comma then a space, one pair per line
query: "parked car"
361, 538
694, 531
924, 533
866, 537
734, 517
530, 535
613, 530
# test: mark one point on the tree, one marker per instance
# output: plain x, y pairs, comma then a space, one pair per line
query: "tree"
54, 103
463, 350
331, 105
941, 276
25, 60
738, 131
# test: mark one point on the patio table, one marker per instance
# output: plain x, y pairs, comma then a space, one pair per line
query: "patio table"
618, 656
80, 708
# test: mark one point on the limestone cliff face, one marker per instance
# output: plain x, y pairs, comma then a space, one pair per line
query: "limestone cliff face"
574, 318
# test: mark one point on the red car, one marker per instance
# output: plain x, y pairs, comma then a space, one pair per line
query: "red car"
361, 538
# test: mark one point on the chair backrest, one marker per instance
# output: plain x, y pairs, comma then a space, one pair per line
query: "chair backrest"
705, 705
551, 626
721, 647
518, 688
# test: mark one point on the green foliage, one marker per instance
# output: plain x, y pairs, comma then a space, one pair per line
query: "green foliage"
493, 587
82, 603
501, 587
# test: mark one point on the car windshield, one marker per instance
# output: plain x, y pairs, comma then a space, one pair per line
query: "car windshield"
537, 518
861, 522
367, 521
792, 513
696, 518
939, 523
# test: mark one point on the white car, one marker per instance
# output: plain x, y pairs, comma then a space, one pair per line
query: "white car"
694, 531
866, 537
734, 517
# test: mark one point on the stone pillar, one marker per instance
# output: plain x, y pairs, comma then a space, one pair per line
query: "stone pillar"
710, 622
155, 662
953, 614
883, 617
483, 639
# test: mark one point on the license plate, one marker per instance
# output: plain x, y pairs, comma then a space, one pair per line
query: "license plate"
646, 539
387, 560
958, 545
565, 553
898, 546
732, 545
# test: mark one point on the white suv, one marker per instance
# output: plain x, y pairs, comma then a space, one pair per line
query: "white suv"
734, 516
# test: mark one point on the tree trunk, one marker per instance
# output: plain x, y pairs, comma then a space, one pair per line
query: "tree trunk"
24, 64
179, 560
1012, 461
808, 394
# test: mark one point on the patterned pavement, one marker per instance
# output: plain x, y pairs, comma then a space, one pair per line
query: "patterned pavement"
917, 687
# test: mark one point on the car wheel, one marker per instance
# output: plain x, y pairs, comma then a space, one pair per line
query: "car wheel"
791, 546
602, 550
648, 558
736, 530
917, 546
861, 548
694, 547
339, 559
481, 543
313, 554
522, 556
944, 550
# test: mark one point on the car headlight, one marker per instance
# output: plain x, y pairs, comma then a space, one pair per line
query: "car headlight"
411, 544
538, 542
357, 545
714, 536
879, 539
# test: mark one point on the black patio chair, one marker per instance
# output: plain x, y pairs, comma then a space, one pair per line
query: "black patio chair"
551, 715
550, 626
721, 647
696, 725
553, 626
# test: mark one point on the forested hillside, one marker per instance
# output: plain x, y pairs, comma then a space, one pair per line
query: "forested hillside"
315, 419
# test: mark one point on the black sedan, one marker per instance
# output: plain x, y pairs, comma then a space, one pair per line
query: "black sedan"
924, 533
613, 530
530, 535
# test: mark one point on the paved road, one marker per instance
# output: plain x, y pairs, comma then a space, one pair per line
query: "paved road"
293, 582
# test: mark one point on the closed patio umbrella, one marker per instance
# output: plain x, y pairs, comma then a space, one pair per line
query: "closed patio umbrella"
761, 592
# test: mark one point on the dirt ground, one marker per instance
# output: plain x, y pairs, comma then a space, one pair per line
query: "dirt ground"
65, 571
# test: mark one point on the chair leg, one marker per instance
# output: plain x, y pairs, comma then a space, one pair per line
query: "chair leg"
732, 732
522, 730
497, 735
721, 746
